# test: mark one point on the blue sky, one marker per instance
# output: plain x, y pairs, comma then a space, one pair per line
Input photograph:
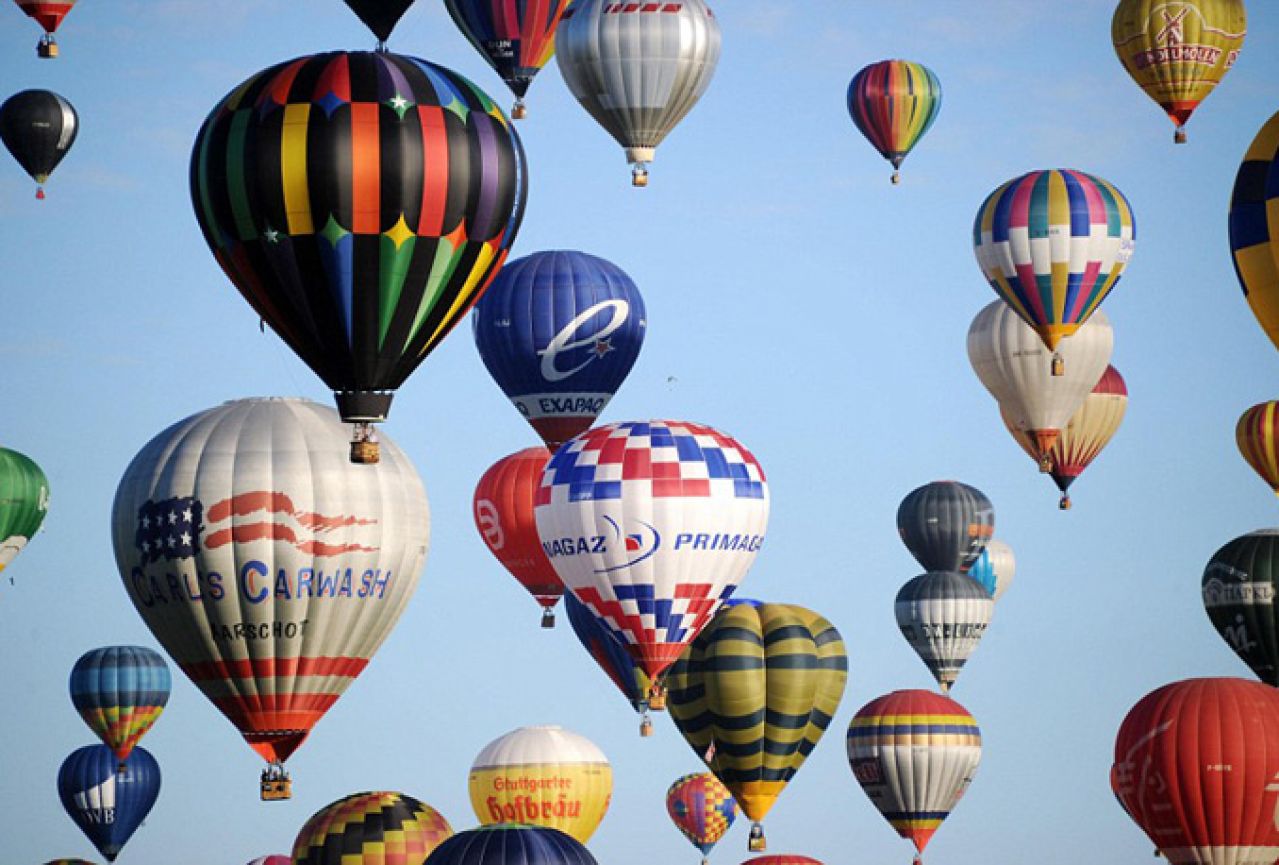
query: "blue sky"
795, 300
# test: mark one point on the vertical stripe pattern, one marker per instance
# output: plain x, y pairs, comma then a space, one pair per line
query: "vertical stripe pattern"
943, 616
516, 37
24, 501
120, 691
945, 524
1257, 434
894, 103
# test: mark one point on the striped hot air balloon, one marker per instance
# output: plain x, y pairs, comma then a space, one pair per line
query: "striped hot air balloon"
914, 753
702, 809
1088, 431
380, 828
24, 501
1254, 244
120, 691
894, 103
943, 616
1257, 435
510, 844
945, 524
267, 565
1239, 587
503, 511
1195, 763
542, 776
1053, 244
753, 695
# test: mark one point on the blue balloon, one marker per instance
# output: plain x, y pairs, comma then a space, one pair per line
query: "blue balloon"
108, 804
559, 332
511, 844
610, 654
120, 691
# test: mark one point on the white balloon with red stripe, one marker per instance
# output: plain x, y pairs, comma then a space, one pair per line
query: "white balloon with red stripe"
652, 525
268, 565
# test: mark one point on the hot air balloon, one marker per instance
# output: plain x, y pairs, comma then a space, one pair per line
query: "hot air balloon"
517, 39
268, 567
1257, 435
24, 500
511, 844
702, 809
1239, 597
379, 828
994, 568
559, 332
617, 663
365, 227
1089, 429
273, 860
1052, 244
108, 803
1195, 763
380, 16
120, 691
38, 127
946, 525
914, 753
71, 862
503, 507
638, 68
753, 695
542, 776
894, 103
1178, 50
1256, 255
943, 616
1014, 366
652, 525
48, 14
782, 859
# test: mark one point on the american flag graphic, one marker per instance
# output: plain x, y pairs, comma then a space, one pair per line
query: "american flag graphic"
177, 528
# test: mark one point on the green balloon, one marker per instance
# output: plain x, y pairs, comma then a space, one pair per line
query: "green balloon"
24, 500
1239, 597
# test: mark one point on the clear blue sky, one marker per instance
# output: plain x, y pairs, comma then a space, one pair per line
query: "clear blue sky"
796, 300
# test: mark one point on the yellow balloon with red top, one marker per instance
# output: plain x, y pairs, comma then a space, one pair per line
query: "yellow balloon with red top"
545, 776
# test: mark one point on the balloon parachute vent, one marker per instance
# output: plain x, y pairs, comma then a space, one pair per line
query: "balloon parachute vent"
276, 785
1179, 137
1064, 504
757, 843
518, 110
897, 178
40, 193
646, 727
548, 617
639, 176
1059, 365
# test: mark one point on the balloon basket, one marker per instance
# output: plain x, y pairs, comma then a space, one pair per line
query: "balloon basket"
518, 110
39, 193
1045, 464
1064, 504
548, 617
276, 785
639, 177
897, 178
757, 842
1179, 137
47, 49
1059, 365
646, 727
657, 698
366, 453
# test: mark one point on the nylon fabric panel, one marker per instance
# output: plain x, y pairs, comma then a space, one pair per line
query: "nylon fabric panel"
945, 524
24, 501
515, 37
48, 13
503, 511
120, 691
943, 616
995, 568
381, 828
609, 653
1253, 252
267, 565
108, 803
1238, 589
511, 845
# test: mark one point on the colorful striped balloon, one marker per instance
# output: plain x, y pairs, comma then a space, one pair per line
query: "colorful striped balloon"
753, 695
361, 203
1257, 435
1178, 50
516, 37
381, 828
914, 753
120, 691
1254, 244
702, 809
894, 103
1053, 244
943, 616
24, 501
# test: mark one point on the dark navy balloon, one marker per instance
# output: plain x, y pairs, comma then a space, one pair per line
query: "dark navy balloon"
108, 804
946, 525
511, 844
559, 332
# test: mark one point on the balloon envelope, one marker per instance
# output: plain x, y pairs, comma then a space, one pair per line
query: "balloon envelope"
267, 565
1257, 435
1238, 587
363, 228
517, 40
995, 568
272, 860
543, 776
1195, 763
702, 808
48, 13
1253, 242
559, 333
1053, 244
511, 844
380, 16
120, 691
385, 828
894, 103
38, 127
107, 803
652, 525
609, 652
24, 501
945, 524
943, 616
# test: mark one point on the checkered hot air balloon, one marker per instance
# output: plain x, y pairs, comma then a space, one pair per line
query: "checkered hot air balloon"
753, 695
269, 567
378, 828
120, 691
702, 808
617, 663
1053, 244
652, 525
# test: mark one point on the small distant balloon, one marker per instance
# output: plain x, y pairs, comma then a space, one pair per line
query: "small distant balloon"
38, 127
894, 103
24, 501
48, 14
120, 691
946, 524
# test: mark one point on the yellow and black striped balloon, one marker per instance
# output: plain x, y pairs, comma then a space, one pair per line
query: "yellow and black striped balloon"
753, 694
371, 829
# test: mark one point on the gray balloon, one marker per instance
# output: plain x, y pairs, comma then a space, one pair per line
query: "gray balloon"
946, 525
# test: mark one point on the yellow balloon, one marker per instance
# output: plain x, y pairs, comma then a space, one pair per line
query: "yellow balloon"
1178, 50
1254, 218
546, 776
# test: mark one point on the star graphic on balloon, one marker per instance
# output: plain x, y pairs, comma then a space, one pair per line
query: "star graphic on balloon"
602, 347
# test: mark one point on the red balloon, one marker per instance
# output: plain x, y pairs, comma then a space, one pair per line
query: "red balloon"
782, 859
503, 508
1195, 768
